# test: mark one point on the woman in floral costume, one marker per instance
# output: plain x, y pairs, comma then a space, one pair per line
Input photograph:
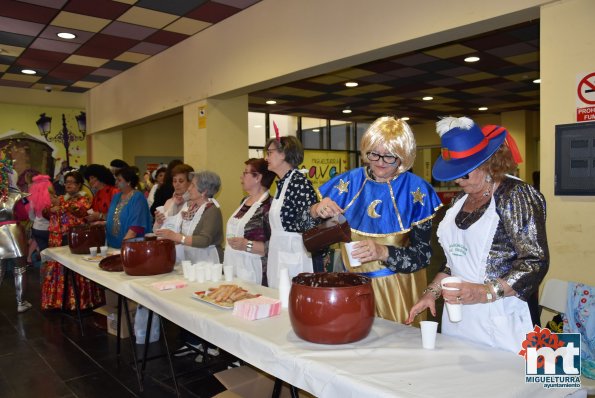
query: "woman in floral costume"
66, 211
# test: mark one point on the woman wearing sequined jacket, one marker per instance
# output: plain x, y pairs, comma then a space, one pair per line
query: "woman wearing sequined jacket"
493, 236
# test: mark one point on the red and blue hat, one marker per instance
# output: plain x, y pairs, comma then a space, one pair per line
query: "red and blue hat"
465, 146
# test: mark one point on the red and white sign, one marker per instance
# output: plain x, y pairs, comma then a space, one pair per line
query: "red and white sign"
585, 100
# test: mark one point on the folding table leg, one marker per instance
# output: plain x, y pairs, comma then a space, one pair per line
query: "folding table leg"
168, 353
119, 323
147, 340
277, 389
70, 276
132, 345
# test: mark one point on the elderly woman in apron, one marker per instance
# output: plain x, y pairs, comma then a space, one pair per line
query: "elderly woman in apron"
294, 197
248, 229
198, 227
493, 236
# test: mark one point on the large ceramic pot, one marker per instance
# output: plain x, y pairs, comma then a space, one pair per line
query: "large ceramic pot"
84, 236
148, 256
330, 307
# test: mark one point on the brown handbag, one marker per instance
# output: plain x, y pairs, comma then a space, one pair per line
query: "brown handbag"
331, 231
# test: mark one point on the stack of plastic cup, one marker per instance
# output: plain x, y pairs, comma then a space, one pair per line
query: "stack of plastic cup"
186, 268
216, 271
199, 269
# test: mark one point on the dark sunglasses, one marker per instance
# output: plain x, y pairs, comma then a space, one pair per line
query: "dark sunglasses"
465, 177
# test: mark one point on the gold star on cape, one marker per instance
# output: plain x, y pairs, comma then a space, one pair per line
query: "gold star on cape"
342, 186
418, 196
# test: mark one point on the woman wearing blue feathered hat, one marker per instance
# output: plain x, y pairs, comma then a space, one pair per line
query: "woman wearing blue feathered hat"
493, 237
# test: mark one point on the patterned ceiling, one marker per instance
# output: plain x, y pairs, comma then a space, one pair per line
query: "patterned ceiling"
502, 80
111, 36
115, 35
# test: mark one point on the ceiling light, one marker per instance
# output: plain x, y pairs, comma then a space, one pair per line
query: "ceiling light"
471, 59
28, 71
315, 130
537, 81
66, 35
405, 118
428, 98
351, 84
346, 110
482, 108
271, 102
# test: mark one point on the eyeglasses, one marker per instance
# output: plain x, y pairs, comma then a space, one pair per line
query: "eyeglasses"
245, 173
269, 151
388, 159
465, 177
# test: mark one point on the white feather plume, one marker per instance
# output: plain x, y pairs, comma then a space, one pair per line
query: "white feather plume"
445, 124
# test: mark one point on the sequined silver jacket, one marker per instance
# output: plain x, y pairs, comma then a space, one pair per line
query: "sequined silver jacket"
519, 254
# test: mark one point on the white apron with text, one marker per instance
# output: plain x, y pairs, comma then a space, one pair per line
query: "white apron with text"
246, 266
286, 249
503, 323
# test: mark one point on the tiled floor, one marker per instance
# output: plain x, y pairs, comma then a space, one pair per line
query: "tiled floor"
42, 354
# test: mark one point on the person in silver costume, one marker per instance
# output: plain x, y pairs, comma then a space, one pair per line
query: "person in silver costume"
493, 236
13, 244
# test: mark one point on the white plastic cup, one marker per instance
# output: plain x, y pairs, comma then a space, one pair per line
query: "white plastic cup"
199, 269
428, 334
349, 249
208, 269
93, 251
216, 271
455, 311
160, 209
185, 268
284, 287
103, 251
228, 272
191, 272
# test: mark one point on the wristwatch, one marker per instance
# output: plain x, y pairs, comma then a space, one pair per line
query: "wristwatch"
249, 246
183, 239
489, 295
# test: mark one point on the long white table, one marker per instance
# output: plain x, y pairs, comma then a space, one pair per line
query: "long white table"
388, 363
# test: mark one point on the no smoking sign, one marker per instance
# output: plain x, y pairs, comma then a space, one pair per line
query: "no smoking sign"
585, 100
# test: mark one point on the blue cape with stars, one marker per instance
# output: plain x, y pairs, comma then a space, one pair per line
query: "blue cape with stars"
382, 208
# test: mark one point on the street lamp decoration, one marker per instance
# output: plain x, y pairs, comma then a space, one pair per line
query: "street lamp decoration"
64, 136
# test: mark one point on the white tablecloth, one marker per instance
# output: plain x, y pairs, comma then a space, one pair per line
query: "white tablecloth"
388, 363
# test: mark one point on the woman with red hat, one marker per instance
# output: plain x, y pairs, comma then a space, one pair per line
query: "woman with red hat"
493, 237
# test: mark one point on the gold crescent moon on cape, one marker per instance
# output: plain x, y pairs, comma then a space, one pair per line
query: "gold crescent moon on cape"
372, 208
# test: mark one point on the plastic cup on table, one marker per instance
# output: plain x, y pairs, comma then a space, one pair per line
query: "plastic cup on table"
455, 310
349, 249
228, 273
191, 272
208, 273
93, 251
199, 270
103, 251
216, 271
185, 268
428, 334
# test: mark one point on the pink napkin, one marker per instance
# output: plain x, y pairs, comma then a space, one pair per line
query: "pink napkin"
169, 285
257, 308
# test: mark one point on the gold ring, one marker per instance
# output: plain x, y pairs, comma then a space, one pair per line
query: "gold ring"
459, 298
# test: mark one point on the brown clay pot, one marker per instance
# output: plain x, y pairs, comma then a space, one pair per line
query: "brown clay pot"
84, 236
148, 256
331, 307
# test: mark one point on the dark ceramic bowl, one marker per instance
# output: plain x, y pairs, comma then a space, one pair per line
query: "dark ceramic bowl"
84, 236
148, 256
112, 263
331, 307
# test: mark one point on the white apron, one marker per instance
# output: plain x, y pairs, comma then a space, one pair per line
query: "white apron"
246, 266
286, 249
194, 254
503, 323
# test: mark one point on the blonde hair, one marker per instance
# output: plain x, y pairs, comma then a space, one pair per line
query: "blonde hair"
393, 134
